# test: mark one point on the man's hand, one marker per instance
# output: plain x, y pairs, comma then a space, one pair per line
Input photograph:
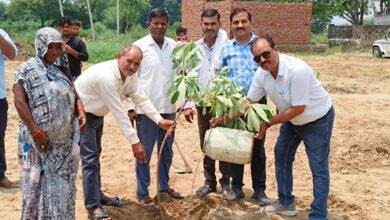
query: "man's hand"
139, 152
263, 130
167, 125
188, 114
132, 116
69, 50
82, 118
214, 122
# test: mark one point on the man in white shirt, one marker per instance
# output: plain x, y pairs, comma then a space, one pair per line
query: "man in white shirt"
156, 77
102, 87
305, 114
211, 44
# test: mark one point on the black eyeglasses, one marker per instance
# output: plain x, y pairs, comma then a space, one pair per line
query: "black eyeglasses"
266, 55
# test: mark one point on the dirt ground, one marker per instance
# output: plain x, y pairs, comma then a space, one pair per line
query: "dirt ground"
359, 161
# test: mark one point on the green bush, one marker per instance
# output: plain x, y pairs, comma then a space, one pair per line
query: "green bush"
319, 38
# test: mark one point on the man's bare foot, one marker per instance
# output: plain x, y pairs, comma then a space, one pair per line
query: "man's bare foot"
7, 184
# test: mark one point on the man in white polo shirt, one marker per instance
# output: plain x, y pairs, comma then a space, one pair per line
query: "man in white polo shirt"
102, 87
305, 114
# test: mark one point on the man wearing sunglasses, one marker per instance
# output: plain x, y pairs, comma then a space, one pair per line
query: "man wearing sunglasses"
236, 54
305, 113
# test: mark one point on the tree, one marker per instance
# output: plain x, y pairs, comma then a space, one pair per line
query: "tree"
3, 16
351, 10
130, 13
174, 10
42, 10
384, 7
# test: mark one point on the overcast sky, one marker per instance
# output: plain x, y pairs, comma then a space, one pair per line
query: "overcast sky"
6, 1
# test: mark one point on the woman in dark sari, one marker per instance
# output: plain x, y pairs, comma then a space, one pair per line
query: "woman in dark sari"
49, 110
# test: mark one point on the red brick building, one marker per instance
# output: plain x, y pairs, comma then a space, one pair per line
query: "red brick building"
288, 23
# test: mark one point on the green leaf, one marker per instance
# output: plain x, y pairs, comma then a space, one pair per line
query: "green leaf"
182, 89
254, 120
260, 112
226, 101
177, 49
175, 97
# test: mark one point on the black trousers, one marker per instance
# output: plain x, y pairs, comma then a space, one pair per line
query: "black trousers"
258, 166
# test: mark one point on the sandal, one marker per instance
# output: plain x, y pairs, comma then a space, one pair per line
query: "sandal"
111, 201
98, 214
205, 190
172, 193
148, 204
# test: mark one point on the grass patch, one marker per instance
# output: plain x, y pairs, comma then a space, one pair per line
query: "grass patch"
316, 39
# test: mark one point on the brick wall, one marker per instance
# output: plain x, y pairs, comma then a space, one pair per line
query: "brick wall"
288, 23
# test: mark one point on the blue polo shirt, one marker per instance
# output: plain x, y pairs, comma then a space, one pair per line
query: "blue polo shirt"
2, 58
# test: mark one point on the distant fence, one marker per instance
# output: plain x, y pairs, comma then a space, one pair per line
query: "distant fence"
357, 35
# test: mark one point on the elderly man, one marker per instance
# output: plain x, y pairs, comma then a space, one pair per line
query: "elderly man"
156, 76
305, 114
211, 43
7, 50
236, 54
101, 88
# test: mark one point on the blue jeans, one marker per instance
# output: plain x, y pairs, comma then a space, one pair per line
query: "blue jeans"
90, 149
3, 127
148, 133
316, 137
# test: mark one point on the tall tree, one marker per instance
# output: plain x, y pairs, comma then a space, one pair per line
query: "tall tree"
42, 10
384, 7
351, 10
130, 13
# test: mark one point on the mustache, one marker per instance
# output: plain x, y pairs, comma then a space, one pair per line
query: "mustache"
240, 29
264, 62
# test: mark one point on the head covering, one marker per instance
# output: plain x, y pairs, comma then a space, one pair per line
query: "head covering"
46, 36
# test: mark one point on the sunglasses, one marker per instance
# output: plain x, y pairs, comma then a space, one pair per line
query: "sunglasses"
266, 55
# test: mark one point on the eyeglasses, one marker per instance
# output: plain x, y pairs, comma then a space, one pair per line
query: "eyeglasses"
266, 55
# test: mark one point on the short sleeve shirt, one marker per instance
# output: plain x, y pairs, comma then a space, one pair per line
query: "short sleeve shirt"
2, 70
295, 85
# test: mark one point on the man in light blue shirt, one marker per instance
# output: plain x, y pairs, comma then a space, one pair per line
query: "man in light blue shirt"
8, 50
236, 54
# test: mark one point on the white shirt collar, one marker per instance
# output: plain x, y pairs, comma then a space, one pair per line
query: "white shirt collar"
150, 41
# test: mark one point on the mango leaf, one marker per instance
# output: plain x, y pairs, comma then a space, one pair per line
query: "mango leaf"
177, 49
260, 112
226, 101
254, 120
182, 89
267, 109
218, 110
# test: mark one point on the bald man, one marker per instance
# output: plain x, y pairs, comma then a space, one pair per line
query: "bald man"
102, 87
